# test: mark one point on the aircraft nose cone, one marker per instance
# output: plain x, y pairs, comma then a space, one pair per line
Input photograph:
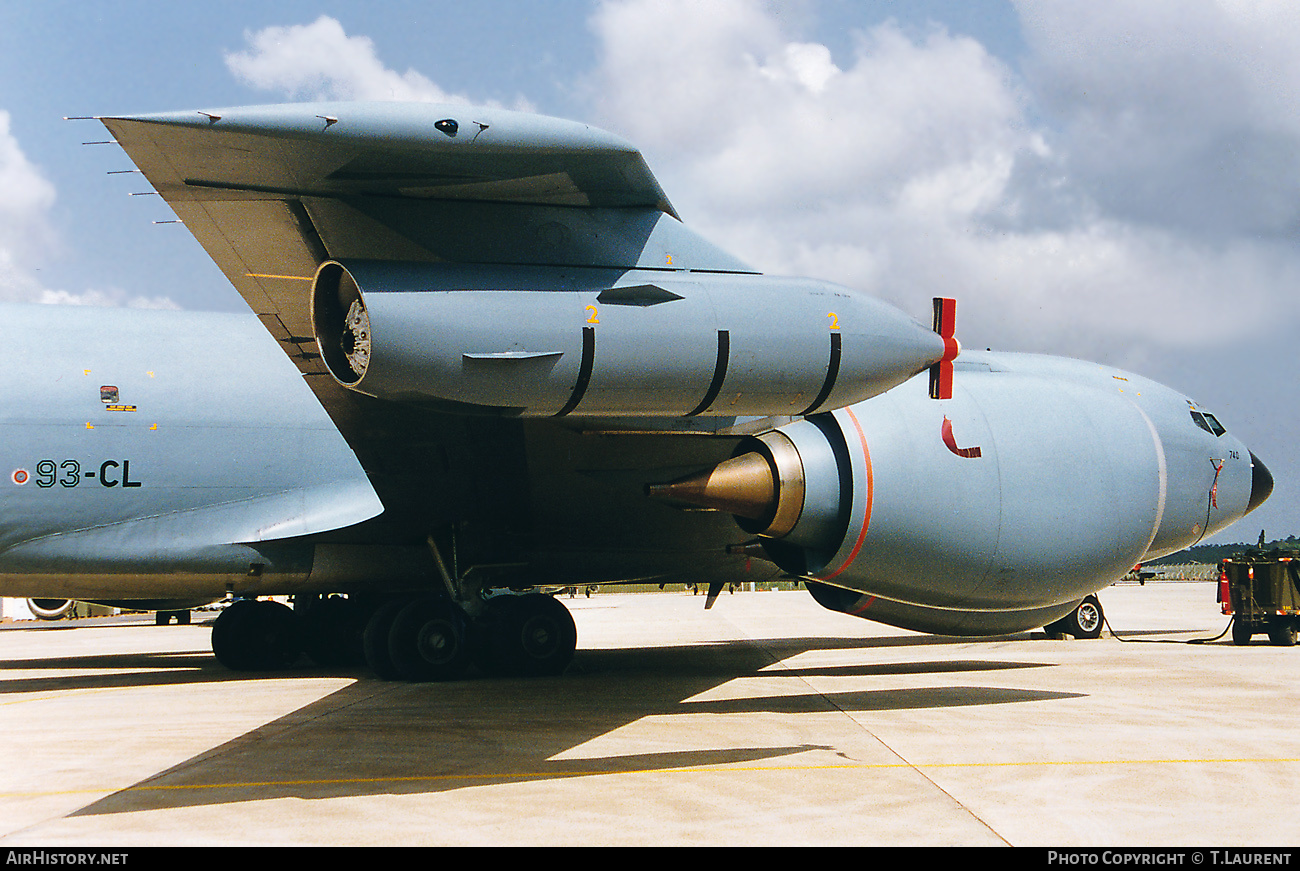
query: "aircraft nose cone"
1261, 483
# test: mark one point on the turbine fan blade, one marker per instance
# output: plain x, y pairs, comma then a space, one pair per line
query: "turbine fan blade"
945, 324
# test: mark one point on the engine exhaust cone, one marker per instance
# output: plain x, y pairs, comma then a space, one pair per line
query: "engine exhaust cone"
744, 486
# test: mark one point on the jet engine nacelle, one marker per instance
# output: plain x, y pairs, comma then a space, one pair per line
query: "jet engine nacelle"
547, 341
1041, 481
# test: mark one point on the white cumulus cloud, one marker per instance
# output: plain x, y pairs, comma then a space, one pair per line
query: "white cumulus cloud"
1131, 182
28, 197
319, 61
1184, 114
26, 236
104, 298
1135, 184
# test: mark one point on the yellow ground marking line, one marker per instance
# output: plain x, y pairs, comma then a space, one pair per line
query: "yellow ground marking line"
544, 775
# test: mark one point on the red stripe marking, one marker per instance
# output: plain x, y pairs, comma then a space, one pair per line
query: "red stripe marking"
871, 490
857, 612
946, 432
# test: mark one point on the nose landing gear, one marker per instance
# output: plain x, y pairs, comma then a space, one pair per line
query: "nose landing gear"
1085, 621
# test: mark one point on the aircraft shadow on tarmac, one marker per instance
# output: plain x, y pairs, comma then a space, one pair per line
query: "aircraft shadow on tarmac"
378, 738
155, 669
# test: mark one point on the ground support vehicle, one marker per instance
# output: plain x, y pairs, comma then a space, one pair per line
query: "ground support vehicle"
1261, 590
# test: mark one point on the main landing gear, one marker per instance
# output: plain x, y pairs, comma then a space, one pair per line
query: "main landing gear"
414, 638
253, 635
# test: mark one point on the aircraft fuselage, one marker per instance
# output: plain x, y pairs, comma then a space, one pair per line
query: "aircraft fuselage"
185, 458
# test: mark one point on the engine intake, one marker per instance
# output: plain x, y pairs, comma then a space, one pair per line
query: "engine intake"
50, 609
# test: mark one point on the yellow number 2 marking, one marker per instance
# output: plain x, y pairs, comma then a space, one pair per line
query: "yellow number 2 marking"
591, 315
835, 320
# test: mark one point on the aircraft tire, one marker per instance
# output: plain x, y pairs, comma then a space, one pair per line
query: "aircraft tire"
1282, 633
255, 636
534, 636
1241, 632
1086, 620
428, 641
279, 641
228, 636
374, 639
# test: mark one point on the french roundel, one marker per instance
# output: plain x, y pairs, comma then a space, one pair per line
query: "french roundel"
20, 476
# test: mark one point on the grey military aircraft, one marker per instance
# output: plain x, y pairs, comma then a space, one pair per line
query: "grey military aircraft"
497, 361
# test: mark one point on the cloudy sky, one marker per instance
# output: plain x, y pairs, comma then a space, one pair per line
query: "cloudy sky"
1108, 180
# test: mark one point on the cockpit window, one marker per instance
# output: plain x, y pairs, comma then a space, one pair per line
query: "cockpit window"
1208, 422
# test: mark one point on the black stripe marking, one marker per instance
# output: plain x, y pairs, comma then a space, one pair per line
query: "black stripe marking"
832, 372
584, 371
719, 374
